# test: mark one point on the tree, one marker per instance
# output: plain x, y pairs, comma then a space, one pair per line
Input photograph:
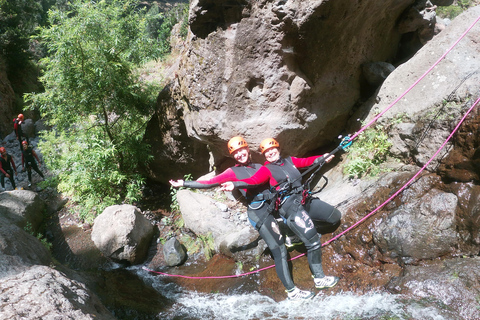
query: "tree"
18, 20
95, 102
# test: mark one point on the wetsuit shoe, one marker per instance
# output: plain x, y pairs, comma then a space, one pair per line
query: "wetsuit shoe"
292, 241
325, 282
297, 294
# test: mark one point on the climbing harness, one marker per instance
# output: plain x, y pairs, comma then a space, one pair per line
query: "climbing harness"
350, 139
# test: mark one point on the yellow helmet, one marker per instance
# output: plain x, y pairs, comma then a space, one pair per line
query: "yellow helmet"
236, 143
267, 144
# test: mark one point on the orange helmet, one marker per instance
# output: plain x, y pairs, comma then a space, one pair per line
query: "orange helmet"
236, 143
267, 144
2, 149
25, 143
20, 116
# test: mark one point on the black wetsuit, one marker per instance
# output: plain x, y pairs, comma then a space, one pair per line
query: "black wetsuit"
28, 159
258, 215
6, 168
299, 218
17, 126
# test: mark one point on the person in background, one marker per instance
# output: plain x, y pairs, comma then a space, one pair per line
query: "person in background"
28, 161
17, 126
259, 216
6, 170
298, 211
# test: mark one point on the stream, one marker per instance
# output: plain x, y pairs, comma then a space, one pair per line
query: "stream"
189, 304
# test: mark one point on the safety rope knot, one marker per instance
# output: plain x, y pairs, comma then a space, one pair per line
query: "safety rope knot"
305, 196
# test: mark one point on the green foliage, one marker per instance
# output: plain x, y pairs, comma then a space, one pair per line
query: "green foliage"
455, 9
160, 24
174, 206
95, 102
208, 245
18, 20
197, 244
369, 150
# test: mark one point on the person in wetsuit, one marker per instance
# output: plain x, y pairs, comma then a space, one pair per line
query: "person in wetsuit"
298, 212
17, 126
6, 164
28, 161
259, 216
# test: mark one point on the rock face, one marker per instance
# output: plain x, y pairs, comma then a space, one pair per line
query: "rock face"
7, 98
291, 70
41, 292
454, 79
122, 233
29, 287
22, 207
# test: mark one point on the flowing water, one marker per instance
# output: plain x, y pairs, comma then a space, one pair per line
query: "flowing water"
191, 305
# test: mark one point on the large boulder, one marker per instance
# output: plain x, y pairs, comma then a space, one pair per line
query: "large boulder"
122, 233
19, 249
285, 69
202, 215
23, 208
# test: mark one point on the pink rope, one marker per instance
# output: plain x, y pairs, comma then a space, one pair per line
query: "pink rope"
409, 181
351, 138
415, 83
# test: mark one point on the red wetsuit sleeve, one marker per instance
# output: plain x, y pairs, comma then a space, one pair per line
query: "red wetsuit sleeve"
227, 175
304, 162
1, 169
13, 164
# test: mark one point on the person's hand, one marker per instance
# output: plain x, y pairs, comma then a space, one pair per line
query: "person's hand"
176, 184
227, 186
7, 175
330, 158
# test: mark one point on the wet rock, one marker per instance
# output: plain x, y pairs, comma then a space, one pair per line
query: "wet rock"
453, 283
423, 229
122, 233
173, 252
